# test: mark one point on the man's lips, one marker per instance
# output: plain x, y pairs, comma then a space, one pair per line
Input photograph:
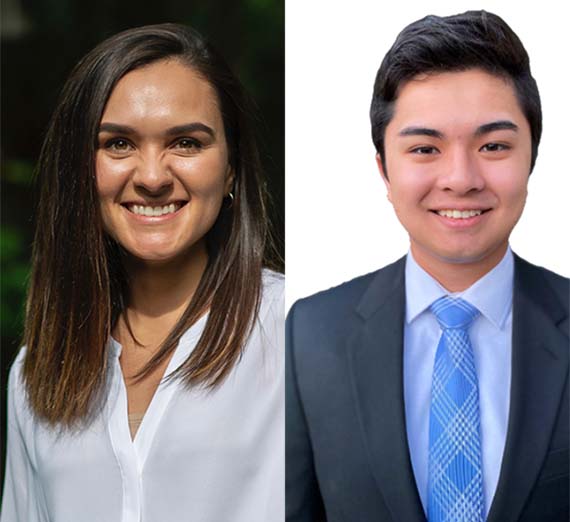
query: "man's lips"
459, 213
460, 219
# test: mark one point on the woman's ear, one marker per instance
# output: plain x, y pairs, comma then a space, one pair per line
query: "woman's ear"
230, 178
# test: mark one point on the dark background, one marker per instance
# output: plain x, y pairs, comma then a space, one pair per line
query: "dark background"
41, 40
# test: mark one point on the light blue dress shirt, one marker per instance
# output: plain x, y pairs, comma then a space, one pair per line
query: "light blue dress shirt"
491, 337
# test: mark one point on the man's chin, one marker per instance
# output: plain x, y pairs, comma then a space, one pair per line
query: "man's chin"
463, 256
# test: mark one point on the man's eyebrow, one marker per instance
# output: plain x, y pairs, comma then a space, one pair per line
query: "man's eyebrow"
186, 128
495, 126
421, 131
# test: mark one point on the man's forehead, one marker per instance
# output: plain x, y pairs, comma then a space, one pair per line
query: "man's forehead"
466, 99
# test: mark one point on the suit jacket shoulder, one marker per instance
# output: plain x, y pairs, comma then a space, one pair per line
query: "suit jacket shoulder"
331, 313
345, 403
539, 281
533, 484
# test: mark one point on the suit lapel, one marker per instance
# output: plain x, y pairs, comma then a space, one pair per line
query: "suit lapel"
539, 371
376, 360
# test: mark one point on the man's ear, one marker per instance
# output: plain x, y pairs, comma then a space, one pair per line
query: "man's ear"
384, 176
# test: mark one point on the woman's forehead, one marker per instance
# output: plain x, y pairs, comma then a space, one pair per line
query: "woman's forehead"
167, 91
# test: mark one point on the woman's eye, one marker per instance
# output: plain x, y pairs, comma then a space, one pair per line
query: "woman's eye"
187, 144
494, 147
424, 150
118, 145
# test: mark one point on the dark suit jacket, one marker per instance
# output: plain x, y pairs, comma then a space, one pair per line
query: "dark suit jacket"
347, 451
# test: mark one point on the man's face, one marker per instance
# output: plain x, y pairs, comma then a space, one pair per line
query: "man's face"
458, 153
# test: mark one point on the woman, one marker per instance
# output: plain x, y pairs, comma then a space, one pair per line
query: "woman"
151, 384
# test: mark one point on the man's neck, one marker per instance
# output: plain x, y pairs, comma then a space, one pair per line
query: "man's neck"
456, 276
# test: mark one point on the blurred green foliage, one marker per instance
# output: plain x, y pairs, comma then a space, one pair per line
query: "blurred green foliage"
18, 172
15, 232
14, 275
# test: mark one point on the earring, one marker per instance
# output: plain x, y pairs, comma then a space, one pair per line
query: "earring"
231, 202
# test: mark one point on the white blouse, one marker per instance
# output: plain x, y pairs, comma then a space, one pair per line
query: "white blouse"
197, 456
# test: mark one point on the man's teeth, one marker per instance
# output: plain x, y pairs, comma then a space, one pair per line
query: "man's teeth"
154, 211
459, 214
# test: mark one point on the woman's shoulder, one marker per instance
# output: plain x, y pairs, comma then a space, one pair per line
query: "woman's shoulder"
273, 285
265, 345
15, 379
272, 292
17, 401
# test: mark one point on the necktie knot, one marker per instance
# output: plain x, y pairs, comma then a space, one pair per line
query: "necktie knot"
453, 312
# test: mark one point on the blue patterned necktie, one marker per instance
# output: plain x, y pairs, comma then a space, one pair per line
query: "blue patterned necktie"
455, 484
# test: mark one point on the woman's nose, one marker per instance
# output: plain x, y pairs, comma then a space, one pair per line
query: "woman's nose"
152, 175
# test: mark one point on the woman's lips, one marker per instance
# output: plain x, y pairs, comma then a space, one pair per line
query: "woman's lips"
154, 213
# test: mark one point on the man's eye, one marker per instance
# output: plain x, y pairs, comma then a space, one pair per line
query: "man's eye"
424, 150
494, 147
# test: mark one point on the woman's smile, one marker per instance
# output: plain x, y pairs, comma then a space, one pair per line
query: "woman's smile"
152, 210
152, 213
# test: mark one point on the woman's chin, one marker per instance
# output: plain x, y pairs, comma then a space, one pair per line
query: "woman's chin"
161, 254
152, 255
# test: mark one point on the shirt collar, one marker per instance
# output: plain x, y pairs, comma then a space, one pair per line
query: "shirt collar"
115, 347
185, 345
492, 295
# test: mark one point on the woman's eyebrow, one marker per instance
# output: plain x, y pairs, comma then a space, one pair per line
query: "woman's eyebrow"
116, 128
191, 127
178, 129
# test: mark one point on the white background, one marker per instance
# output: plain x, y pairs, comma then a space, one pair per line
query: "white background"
339, 223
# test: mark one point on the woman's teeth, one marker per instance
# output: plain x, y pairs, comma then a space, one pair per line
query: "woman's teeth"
154, 211
459, 214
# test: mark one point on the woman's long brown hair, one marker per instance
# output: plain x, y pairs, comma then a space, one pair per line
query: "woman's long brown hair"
79, 288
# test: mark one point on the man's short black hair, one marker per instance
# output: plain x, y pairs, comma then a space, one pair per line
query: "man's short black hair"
475, 39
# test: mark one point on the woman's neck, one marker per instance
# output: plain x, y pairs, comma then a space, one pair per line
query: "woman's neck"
159, 293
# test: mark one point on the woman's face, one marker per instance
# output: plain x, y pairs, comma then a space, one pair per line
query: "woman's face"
162, 161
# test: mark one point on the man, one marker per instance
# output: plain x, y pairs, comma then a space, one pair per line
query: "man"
437, 387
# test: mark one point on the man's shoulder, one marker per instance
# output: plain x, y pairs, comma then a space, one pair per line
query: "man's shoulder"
338, 301
540, 279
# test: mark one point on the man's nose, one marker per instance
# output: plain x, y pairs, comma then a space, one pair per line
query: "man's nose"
462, 173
